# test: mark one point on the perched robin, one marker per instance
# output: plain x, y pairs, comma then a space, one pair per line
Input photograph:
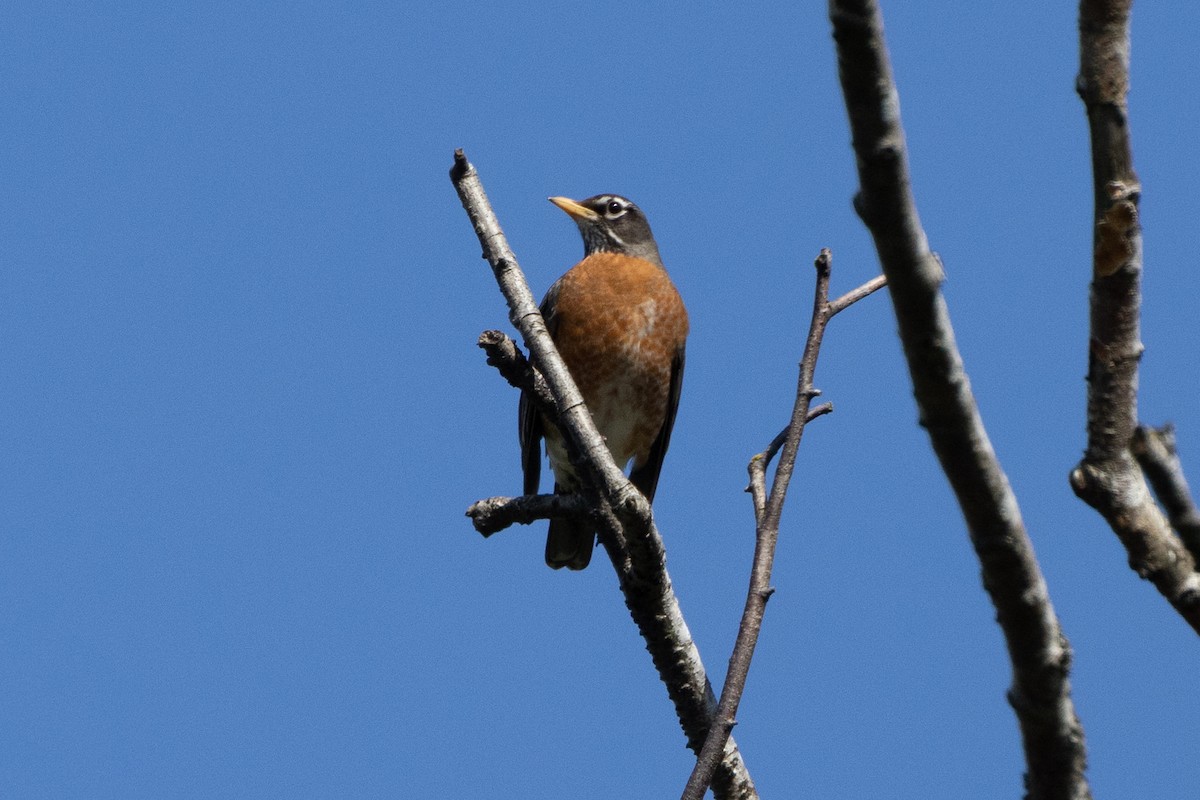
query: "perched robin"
620, 326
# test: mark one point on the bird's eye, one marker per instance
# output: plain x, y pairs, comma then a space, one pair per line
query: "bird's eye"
614, 208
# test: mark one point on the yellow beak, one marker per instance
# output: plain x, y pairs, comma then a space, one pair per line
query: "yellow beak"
573, 209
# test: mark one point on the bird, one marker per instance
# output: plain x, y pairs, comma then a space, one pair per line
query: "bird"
621, 326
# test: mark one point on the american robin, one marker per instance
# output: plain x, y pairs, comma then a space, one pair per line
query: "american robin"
620, 326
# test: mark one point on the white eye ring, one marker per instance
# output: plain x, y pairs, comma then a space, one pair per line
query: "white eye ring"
614, 209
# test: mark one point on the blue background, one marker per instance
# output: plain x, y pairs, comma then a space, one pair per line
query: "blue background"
243, 410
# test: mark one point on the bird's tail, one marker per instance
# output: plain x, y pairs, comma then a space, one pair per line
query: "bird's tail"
570, 543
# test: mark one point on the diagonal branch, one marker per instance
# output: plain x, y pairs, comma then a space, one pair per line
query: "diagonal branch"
494, 514
1108, 478
767, 515
620, 509
1155, 452
757, 488
1040, 694
507, 358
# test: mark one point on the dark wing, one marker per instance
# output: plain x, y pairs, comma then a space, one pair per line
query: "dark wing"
645, 477
530, 424
529, 421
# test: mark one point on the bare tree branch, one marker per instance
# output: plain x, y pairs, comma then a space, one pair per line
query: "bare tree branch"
505, 356
1040, 694
1107, 478
494, 514
623, 514
1155, 452
854, 295
767, 519
758, 465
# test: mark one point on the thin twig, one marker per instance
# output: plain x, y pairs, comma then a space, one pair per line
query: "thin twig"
854, 295
1108, 479
758, 465
622, 512
1040, 694
1156, 453
767, 516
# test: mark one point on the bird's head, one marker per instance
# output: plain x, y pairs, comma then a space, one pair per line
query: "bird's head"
611, 224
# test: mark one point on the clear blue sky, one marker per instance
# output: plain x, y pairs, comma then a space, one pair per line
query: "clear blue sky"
243, 410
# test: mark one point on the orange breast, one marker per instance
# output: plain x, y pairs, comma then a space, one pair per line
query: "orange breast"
619, 323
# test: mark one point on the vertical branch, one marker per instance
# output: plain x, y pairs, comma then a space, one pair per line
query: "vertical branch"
1108, 477
621, 509
767, 514
1040, 694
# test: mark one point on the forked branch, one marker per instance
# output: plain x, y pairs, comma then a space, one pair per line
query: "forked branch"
768, 510
1108, 477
